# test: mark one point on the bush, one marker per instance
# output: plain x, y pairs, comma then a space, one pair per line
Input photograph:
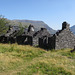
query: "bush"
3, 23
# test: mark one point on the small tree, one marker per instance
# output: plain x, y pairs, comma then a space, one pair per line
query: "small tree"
21, 29
26, 26
3, 23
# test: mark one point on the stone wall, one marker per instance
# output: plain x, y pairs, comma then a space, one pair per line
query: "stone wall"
43, 42
24, 40
51, 42
65, 39
35, 41
20, 39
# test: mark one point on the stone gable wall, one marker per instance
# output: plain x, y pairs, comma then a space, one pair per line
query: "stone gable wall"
65, 39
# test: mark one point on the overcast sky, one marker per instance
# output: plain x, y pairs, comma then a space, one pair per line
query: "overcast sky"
52, 12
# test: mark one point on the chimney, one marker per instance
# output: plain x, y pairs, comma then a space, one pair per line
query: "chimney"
65, 25
31, 28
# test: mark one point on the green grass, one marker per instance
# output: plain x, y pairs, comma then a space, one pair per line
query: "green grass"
26, 60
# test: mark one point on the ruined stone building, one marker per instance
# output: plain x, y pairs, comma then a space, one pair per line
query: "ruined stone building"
41, 33
10, 36
64, 38
31, 37
26, 37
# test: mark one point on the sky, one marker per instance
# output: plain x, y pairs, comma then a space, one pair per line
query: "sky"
52, 12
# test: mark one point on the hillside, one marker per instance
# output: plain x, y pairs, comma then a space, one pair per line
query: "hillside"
73, 29
36, 24
26, 60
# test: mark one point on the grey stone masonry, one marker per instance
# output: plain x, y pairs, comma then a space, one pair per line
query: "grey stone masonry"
39, 34
63, 38
43, 42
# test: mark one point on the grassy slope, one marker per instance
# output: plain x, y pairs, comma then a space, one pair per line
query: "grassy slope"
26, 60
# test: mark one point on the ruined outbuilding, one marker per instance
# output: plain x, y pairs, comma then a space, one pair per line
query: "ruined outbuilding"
10, 36
31, 37
41, 33
26, 37
64, 38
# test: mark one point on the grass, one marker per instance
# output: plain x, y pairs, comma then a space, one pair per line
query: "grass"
26, 60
